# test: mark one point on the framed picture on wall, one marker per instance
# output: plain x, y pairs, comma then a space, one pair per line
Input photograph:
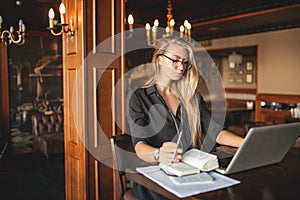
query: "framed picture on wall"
249, 78
249, 65
239, 80
231, 80
232, 72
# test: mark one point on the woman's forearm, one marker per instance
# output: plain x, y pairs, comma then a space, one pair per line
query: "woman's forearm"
168, 152
228, 138
145, 152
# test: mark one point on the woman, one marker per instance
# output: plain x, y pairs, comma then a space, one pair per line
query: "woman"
169, 105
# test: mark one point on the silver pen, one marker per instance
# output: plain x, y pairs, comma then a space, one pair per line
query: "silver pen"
178, 140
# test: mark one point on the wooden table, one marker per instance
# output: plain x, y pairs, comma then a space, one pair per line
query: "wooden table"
277, 181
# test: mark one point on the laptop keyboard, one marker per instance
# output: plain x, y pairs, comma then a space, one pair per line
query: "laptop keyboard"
224, 162
224, 158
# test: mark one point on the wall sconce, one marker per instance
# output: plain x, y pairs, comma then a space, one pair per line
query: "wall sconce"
62, 26
11, 36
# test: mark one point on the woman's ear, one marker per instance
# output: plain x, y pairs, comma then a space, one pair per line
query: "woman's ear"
159, 60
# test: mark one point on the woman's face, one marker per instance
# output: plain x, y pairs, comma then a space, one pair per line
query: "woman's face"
173, 62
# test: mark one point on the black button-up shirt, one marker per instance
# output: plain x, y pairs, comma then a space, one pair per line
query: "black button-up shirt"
151, 122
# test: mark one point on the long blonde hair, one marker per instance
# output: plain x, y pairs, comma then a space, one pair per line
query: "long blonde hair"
186, 88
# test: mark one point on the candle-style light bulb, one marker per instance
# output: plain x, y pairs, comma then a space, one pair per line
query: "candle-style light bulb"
130, 22
189, 27
130, 19
181, 29
51, 18
147, 27
11, 29
1, 21
148, 32
168, 31
156, 23
172, 23
51, 13
23, 27
185, 23
154, 30
20, 25
62, 11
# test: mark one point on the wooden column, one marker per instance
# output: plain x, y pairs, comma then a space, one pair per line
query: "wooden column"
88, 92
4, 93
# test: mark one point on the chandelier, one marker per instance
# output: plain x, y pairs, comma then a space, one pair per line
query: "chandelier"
152, 32
12, 36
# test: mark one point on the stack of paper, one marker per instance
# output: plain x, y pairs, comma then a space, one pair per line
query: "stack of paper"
184, 190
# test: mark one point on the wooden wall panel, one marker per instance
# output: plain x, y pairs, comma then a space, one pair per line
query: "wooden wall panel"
88, 162
75, 159
105, 96
75, 152
100, 128
73, 184
106, 188
71, 135
105, 19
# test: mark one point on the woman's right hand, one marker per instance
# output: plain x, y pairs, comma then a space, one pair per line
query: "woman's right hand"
166, 153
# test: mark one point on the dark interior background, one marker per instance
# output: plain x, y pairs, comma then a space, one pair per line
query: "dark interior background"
210, 20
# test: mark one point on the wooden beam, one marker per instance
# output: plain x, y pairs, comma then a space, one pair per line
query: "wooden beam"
245, 15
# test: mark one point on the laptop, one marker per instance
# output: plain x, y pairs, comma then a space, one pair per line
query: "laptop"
262, 146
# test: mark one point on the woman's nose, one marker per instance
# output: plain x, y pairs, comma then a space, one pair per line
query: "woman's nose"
180, 65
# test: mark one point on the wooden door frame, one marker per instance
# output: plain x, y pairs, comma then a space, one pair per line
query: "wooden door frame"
4, 96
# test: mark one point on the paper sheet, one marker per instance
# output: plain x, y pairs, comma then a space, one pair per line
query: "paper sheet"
155, 174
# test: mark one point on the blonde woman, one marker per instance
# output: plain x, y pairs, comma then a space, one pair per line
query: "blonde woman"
168, 105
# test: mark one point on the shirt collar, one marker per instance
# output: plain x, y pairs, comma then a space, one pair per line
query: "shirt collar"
152, 89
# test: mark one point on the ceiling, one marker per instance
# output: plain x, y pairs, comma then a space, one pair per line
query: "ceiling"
220, 18
34, 13
210, 18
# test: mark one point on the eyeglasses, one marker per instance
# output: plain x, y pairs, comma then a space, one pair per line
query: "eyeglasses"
185, 63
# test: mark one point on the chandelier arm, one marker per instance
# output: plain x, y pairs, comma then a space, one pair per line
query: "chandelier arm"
23, 40
5, 37
67, 30
8, 37
19, 38
5, 34
63, 29
151, 44
58, 33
